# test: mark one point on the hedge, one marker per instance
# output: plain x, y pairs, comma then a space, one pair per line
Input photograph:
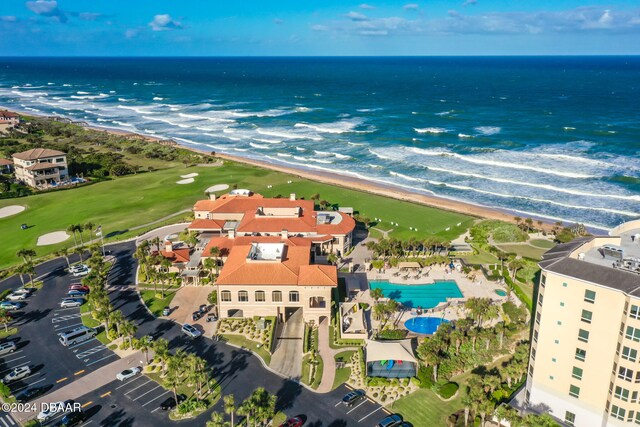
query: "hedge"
447, 390
516, 290
4, 293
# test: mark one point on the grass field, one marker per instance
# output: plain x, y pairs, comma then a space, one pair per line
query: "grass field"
425, 408
156, 305
526, 251
241, 341
342, 374
542, 243
130, 201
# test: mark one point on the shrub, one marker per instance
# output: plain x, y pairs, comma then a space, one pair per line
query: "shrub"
392, 334
447, 390
425, 376
4, 294
5, 391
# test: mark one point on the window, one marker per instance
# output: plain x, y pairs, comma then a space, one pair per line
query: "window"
561, 304
576, 373
556, 341
538, 318
634, 313
637, 419
589, 296
569, 418
535, 336
540, 298
621, 393
629, 353
634, 397
633, 334
581, 354
259, 296
625, 374
553, 359
243, 296
583, 335
637, 377
225, 296
564, 285
574, 391
543, 280
551, 377
586, 316
294, 296
276, 296
617, 412
559, 323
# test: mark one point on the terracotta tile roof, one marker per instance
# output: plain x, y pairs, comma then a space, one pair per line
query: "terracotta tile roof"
206, 224
42, 166
38, 153
223, 243
177, 255
8, 114
306, 223
347, 225
293, 270
5, 162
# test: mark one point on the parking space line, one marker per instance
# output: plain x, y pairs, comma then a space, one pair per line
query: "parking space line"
79, 372
90, 351
337, 404
65, 318
87, 404
137, 387
129, 382
155, 410
83, 343
144, 394
106, 394
13, 367
363, 402
11, 420
86, 424
96, 361
28, 385
157, 397
369, 414
62, 379
4, 422
67, 326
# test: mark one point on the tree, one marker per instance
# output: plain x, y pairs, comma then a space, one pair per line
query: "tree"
30, 270
478, 308
230, 407
117, 319
72, 229
79, 251
215, 252
5, 318
431, 354
332, 259
89, 226
129, 330
515, 265
529, 223
26, 255
80, 229
209, 264
64, 252
145, 344
217, 420
315, 196
173, 380
376, 294
161, 350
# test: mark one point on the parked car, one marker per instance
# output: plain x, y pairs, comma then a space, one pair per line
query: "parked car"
170, 402
16, 297
128, 373
80, 273
52, 409
79, 287
17, 374
77, 267
71, 302
196, 316
76, 293
204, 308
212, 318
7, 347
30, 393
11, 305
27, 289
166, 311
293, 422
73, 418
391, 421
190, 331
353, 397
405, 424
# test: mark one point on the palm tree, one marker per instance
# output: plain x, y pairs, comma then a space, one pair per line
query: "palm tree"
173, 380
230, 407
89, 226
209, 264
5, 318
26, 254
30, 270
72, 229
145, 344
117, 319
376, 294
80, 229
247, 408
129, 330
430, 352
20, 270
79, 251
64, 252
467, 401
217, 420
515, 265
215, 252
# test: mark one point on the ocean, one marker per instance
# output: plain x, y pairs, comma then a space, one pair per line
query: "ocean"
547, 137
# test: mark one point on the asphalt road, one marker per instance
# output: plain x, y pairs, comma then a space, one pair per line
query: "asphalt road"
239, 372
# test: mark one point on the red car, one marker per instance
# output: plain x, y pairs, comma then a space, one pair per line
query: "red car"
293, 422
79, 287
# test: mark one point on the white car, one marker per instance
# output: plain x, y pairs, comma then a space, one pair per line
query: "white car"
16, 297
190, 331
128, 373
71, 302
77, 267
17, 374
22, 291
83, 272
50, 412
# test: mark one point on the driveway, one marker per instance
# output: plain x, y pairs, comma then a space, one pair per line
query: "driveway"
287, 357
187, 300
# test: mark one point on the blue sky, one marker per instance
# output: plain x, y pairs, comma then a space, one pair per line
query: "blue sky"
318, 27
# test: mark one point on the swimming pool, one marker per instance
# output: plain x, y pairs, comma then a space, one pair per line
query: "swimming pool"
424, 325
424, 296
500, 292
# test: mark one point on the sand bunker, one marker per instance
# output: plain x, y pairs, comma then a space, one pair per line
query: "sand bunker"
11, 210
52, 238
185, 181
191, 175
215, 188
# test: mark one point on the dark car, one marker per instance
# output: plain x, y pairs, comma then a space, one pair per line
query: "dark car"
353, 397
77, 293
391, 421
30, 393
170, 402
405, 424
212, 318
196, 315
204, 308
71, 419
293, 422
166, 311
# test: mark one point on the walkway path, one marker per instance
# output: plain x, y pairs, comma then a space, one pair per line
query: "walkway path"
287, 357
328, 357
164, 218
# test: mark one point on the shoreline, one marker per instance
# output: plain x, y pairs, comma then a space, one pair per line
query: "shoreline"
343, 181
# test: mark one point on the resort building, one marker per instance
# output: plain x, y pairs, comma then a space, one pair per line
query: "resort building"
6, 166
273, 276
249, 214
584, 366
41, 168
8, 120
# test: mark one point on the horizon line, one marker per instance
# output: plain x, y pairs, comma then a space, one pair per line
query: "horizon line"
333, 56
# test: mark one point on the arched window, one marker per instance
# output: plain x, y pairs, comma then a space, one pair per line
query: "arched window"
259, 296
225, 296
294, 296
243, 296
276, 296
317, 302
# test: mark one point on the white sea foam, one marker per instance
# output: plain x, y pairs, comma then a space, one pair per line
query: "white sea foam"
443, 113
136, 109
124, 100
268, 141
430, 130
152, 132
301, 149
117, 122
240, 149
488, 130
284, 155
378, 155
406, 177
82, 93
67, 85
343, 126
569, 128
169, 122
341, 156
157, 98
259, 146
287, 135
464, 135
201, 117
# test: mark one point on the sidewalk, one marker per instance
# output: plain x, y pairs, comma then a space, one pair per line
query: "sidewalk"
326, 352
84, 385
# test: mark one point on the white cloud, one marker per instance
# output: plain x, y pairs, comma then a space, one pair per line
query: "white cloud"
131, 33
469, 2
164, 22
366, 6
411, 6
8, 18
47, 8
319, 28
356, 16
89, 16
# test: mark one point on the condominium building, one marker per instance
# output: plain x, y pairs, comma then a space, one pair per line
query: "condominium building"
8, 120
584, 366
250, 214
41, 168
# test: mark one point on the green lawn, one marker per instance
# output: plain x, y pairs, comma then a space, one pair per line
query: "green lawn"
243, 342
7, 333
126, 202
90, 322
526, 251
342, 374
481, 258
542, 243
156, 305
317, 378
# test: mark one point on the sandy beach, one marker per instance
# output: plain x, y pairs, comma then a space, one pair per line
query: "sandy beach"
339, 180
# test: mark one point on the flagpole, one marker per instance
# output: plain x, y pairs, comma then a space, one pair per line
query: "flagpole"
99, 230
